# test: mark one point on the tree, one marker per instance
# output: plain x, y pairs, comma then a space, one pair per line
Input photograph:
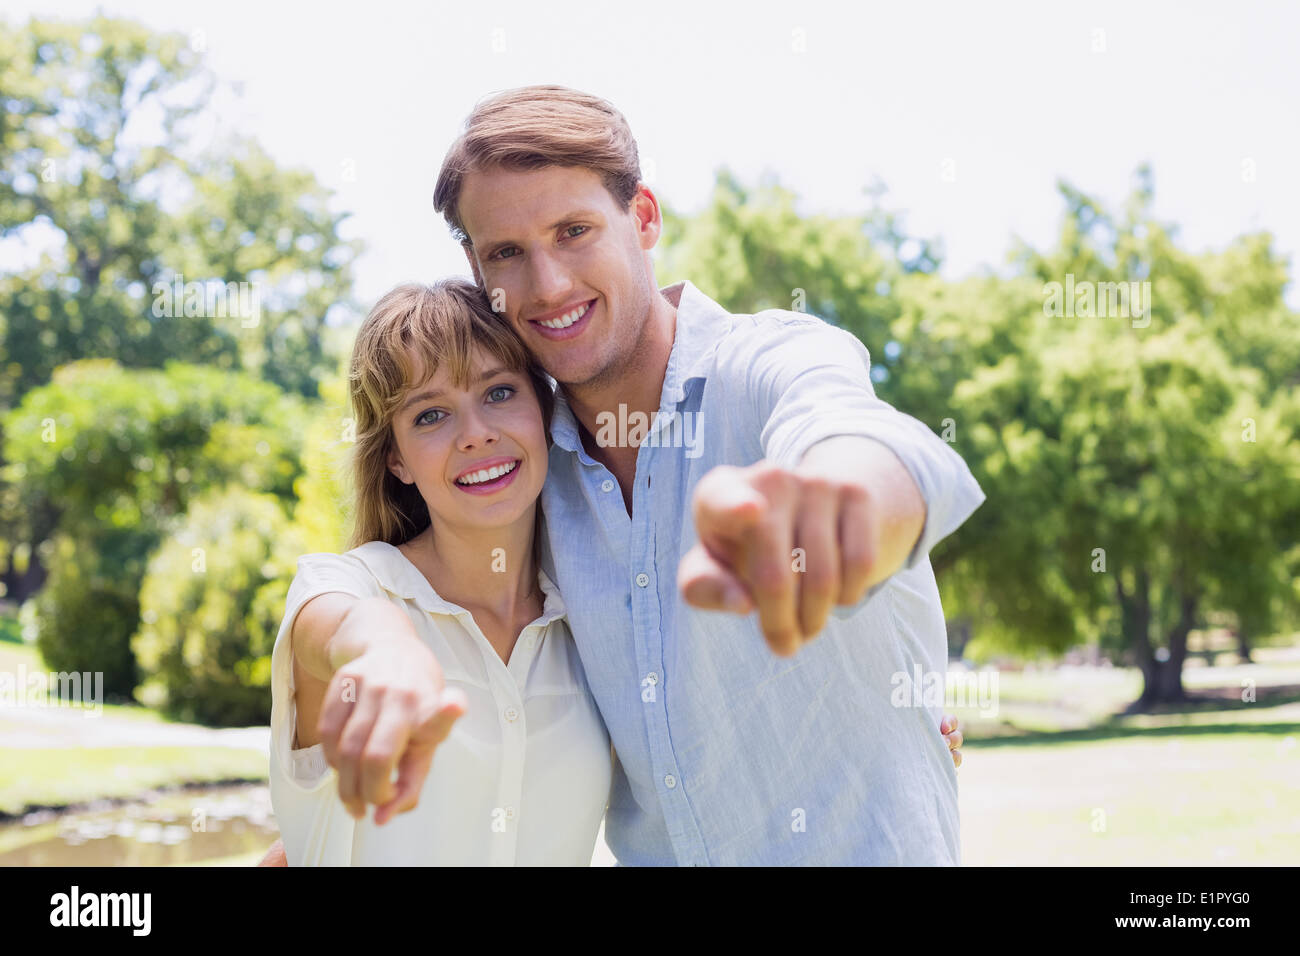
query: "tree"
112, 455
1141, 469
160, 244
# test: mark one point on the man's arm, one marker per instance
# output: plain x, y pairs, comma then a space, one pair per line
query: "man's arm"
850, 492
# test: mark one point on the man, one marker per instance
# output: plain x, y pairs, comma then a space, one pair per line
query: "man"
747, 605
757, 472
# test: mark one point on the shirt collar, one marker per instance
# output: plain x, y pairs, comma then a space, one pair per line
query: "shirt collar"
397, 575
701, 324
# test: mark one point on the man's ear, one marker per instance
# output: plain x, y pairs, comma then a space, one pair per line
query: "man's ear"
649, 218
473, 263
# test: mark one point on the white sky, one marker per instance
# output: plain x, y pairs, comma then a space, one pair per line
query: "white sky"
1012, 93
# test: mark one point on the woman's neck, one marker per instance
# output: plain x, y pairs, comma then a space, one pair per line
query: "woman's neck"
492, 570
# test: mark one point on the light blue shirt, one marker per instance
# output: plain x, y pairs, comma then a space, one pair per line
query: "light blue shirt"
726, 753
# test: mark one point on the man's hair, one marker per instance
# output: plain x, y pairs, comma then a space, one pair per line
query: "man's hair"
536, 126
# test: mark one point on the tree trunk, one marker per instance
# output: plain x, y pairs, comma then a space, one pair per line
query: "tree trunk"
1243, 646
1162, 680
19, 586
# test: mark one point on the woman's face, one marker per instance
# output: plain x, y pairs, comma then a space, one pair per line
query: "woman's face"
478, 455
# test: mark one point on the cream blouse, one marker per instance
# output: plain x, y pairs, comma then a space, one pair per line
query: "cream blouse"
522, 779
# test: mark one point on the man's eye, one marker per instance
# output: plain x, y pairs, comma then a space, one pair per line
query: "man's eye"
507, 389
501, 253
571, 234
423, 419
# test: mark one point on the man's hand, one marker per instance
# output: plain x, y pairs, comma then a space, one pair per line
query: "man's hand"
951, 733
796, 542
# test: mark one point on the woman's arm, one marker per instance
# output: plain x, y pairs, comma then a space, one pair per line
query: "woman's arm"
371, 693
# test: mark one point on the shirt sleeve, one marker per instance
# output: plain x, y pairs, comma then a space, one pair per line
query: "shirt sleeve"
315, 827
812, 381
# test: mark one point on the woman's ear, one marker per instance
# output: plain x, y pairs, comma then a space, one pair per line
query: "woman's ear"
398, 469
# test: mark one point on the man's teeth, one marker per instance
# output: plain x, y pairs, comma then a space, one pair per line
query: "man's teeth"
566, 320
487, 474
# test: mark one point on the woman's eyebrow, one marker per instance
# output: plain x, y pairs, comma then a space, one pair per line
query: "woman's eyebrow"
437, 392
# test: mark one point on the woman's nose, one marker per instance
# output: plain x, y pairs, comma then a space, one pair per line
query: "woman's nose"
476, 430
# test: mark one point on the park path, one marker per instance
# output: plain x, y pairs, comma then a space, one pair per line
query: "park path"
41, 727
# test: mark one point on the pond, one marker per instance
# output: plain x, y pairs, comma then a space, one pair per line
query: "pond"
159, 829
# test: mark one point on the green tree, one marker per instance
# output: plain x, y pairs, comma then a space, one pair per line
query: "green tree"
103, 163
113, 454
1141, 471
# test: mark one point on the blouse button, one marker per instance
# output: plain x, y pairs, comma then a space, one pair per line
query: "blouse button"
510, 813
670, 781
607, 485
642, 579
511, 714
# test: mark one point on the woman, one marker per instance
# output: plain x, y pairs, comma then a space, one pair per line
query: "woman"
451, 454
452, 450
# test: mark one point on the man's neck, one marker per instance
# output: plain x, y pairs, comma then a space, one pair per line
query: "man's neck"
638, 389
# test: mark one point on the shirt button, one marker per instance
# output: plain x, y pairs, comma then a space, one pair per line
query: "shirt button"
652, 677
511, 714
642, 579
670, 781
607, 485
510, 813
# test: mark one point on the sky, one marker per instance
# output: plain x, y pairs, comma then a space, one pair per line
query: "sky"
969, 114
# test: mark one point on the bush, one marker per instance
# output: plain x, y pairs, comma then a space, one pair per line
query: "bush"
210, 608
87, 610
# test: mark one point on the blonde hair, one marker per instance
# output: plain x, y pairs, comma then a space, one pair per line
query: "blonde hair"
438, 324
536, 126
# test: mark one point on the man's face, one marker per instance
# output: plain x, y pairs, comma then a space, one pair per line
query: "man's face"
567, 263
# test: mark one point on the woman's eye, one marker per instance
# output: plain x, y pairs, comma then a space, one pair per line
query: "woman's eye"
506, 389
425, 420
501, 253
571, 234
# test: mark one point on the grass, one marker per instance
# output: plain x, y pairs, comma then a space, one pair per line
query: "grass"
1060, 776
1160, 797
72, 775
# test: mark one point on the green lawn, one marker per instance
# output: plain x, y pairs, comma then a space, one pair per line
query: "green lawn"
1059, 776
1213, 796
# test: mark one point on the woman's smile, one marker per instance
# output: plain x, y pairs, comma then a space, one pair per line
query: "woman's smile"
488, 477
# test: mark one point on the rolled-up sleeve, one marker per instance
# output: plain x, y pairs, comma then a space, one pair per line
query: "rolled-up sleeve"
812, 381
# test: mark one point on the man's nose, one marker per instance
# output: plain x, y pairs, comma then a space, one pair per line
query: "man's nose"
550, 281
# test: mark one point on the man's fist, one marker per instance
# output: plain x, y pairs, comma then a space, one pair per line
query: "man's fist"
796, 542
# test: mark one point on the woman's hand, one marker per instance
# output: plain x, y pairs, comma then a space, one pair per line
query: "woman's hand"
385, 708
948, 727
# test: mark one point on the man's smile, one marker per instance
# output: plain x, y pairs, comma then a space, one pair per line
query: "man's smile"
564, 323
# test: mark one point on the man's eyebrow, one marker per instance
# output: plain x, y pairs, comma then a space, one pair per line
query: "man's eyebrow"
437, 392
495, 244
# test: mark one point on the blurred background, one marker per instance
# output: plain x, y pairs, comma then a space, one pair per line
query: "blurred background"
198, 205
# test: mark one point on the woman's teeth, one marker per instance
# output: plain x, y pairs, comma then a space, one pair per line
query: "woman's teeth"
566, 320
487, 474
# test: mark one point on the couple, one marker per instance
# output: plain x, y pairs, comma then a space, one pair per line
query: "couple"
707, 547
